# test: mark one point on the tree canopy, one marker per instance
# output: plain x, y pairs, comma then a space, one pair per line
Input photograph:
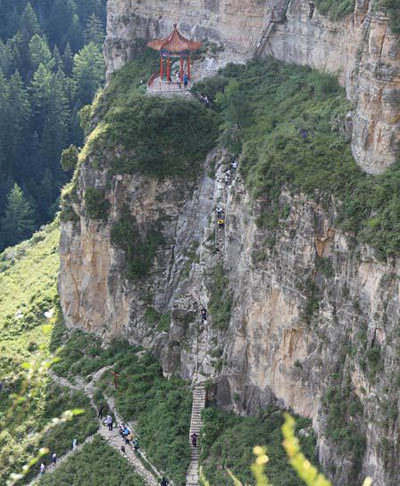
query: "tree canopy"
51, 65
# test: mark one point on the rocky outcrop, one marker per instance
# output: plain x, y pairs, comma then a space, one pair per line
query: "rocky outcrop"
298, 313
360, 50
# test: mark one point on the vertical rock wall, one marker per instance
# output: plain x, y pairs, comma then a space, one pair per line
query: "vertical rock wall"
360, 50
313, 318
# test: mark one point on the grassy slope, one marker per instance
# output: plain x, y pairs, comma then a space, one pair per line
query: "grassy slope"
28, 274
160, 407
97, 464
287, 123
227, 442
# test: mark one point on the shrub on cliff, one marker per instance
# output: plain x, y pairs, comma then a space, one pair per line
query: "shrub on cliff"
393, 9
140, 244
294, 135
335, 9
158, 137
96, 205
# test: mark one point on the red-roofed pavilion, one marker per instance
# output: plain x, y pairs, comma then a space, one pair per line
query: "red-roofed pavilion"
175, 45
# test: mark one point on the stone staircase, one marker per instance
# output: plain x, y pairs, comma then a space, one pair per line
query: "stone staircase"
199, 402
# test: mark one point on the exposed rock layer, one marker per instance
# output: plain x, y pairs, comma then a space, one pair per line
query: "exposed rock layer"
313, 317
360, 49
313, 320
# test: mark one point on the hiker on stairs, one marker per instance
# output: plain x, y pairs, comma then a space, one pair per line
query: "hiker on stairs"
203, 313
164, 481
194, 437
220, 212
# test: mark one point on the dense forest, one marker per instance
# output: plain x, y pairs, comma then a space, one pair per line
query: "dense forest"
51, 64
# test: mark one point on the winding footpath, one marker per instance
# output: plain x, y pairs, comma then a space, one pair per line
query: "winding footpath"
111, 437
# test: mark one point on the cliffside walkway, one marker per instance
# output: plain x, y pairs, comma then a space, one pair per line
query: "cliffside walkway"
199, 402
111, 437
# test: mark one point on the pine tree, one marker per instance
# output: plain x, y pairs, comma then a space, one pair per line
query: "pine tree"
94, 31
39, 51
29, 24
18, 118
88, 72
18, 221
57, 59
5, 58
68, 59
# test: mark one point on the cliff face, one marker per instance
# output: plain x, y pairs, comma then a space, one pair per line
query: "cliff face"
311, 321
300, 313
361, 50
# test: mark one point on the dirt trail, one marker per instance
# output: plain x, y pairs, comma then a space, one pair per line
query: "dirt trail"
112, 437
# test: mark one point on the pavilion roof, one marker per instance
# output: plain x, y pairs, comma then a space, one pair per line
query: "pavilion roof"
174, 43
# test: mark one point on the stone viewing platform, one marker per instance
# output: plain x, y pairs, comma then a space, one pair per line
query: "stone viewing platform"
159, 87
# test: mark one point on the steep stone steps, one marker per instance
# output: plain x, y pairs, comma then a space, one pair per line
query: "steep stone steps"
199, 402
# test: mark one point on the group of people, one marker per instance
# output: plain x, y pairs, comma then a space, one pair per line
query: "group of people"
220, 217
43, 466
126, 434
228, 178
230, 172
179, 80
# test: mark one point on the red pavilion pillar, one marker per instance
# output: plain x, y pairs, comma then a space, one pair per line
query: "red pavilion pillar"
168, 69
161, 68
181, 69
188, 68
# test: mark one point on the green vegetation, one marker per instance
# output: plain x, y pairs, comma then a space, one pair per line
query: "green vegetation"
220, 298
96, 464
96, 205
28, 277
139, 243
335, 9
344, 418
159, 137
28, 310
290, 132
392, 7
227, 441
69, 158
18, 221
51, 65
161, 408
157, 320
